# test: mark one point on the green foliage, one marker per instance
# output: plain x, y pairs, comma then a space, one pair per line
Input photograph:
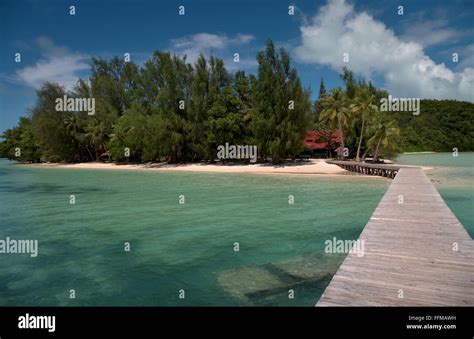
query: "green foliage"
440, 126
277, 128
351, 86
170, 110
335, 112
363, 108
172, 77
322, 89
20, 143
49, 125
385, 138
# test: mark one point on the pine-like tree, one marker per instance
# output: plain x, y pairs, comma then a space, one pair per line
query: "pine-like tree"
281, 106
322, 89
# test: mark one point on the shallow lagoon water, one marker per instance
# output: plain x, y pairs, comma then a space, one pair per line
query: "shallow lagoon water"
174, 246
188, 246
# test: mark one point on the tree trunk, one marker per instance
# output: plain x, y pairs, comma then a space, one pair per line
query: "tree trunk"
365, 154
90, 154
341, 153
376, 153
360, 139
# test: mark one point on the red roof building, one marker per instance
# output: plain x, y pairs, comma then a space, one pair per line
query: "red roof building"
322, 139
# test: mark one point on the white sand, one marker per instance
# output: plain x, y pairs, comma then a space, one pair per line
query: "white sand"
314, 166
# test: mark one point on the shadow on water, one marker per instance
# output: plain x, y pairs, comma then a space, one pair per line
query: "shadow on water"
48, 188
4, 171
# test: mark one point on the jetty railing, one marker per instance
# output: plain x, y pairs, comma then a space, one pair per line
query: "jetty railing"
388, 171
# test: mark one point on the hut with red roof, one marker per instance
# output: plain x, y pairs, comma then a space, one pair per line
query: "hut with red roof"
322, 143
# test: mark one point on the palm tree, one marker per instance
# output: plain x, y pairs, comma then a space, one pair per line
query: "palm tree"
72, 128
335, 112
386, 136
72, 124
363, 106
96, 134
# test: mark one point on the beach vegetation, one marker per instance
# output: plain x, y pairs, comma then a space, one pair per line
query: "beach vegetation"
171, 110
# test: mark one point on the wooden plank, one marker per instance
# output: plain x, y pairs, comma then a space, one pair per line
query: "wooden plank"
408, 247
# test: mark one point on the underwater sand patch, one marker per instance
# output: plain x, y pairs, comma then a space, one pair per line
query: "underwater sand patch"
241, 282
271, 279
313, 266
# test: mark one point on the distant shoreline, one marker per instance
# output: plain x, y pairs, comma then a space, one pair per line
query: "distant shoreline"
317, 167
311, 167
425, 152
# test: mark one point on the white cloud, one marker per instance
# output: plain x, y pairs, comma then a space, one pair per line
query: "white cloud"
466, 56
375, 49
219, 45
57, 64
430, 32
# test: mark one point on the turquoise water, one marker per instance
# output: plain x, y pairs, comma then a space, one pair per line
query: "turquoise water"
175, 246
454, 179
190, 246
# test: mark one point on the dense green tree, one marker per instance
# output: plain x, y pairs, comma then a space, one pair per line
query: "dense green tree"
173, 76
441, 126
281, 106
227, 111
199, 108
20, 144
226, 123
113, 84
170, 110
242, 89
49, 125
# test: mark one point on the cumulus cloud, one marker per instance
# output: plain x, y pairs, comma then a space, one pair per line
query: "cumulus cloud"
466, 56
374, 49
430, 32
57, 64
220, 45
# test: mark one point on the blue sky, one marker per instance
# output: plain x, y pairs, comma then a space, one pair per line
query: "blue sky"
410, 55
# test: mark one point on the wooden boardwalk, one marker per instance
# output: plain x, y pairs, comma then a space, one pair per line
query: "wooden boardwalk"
388, 171
408, 253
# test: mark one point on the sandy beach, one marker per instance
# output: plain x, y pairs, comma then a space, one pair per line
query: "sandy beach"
314, 166
311, 167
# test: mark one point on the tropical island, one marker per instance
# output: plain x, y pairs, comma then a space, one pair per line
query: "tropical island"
170, 111
153, 167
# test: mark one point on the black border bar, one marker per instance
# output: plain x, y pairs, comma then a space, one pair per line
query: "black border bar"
239, 321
